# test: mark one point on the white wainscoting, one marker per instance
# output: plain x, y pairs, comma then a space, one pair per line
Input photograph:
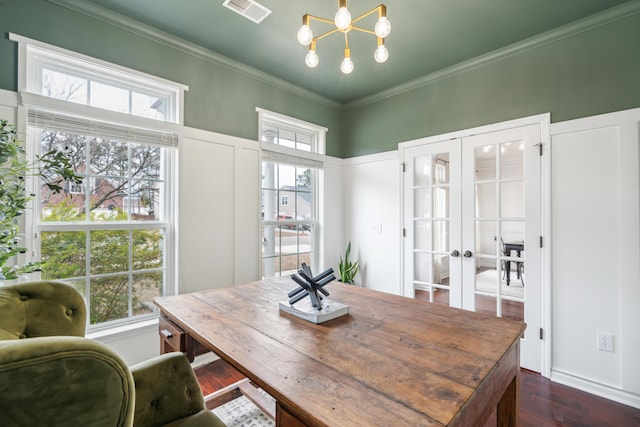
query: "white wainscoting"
372, 219
595, 247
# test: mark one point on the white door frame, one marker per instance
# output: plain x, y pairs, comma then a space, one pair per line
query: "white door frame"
544, 120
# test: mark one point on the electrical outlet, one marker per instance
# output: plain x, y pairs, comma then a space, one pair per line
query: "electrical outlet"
605, 342
375, 228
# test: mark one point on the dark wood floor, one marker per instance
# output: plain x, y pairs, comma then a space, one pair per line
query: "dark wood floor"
542, 402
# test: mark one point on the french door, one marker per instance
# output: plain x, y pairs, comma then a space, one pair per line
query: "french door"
471, 218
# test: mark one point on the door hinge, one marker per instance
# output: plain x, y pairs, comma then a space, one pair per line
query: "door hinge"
539, 145
404, 232
404, 167
541, 333
540, 241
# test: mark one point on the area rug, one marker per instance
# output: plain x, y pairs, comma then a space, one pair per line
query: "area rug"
241, 412
487, 281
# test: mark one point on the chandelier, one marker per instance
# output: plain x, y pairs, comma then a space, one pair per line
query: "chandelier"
344, 24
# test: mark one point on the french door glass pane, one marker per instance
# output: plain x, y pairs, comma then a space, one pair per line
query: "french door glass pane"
422, 171
421, 233
422, 203
441, 236
486, 238
485, 162
511, 160
512, 199
486, 200
440, 202
422, 267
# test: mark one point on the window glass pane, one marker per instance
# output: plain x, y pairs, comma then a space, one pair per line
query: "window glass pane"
107, 199
286, 138
286, 206
144, 203
146, 287
109, 299
64, 86
63, 254
109, 97
109, 251
304, 141
147, 249
149, 106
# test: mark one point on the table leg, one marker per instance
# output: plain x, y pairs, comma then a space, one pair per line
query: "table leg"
507, 412
507, 272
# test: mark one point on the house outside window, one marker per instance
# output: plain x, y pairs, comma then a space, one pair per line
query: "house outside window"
292, 153
112, 236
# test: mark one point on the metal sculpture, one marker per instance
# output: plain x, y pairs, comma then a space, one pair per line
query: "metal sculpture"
310, 286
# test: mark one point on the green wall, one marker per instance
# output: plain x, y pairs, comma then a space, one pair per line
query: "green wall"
219, 99
593, 72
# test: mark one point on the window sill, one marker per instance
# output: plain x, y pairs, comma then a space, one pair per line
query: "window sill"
121, 331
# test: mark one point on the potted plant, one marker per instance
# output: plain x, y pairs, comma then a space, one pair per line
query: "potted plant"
54, 167
348, 269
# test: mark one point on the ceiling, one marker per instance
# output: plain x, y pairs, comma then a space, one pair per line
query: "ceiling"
426, 35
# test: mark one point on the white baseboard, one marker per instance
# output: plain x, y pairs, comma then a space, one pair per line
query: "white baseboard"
597, 389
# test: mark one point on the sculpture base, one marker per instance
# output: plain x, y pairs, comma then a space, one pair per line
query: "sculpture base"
305, 310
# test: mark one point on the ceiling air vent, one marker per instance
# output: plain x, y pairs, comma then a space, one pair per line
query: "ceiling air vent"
248, 8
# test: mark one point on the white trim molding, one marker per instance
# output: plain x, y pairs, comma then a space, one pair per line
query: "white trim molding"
610, 15
133, 26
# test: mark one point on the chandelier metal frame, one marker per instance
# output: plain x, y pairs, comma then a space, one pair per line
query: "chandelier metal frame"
344, 24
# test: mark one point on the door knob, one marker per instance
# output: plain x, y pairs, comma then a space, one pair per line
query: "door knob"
455, 253
467, 254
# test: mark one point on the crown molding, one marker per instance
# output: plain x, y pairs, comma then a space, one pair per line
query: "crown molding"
131, 25
92, 10
599, 19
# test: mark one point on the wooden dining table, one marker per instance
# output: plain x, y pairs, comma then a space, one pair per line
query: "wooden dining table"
392, 361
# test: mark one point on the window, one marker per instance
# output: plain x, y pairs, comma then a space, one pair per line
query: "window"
292, 153
111, 236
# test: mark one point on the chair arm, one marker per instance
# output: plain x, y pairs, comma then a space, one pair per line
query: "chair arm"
168, 393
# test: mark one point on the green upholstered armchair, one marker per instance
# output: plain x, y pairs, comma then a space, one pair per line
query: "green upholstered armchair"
51, 375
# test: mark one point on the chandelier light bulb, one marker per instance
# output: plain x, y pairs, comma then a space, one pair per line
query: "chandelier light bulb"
347, 65
312, 59
383, 27
381, 54
305, 35
343, 19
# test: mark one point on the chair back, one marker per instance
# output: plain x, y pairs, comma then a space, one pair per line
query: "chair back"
41, 308
64, 381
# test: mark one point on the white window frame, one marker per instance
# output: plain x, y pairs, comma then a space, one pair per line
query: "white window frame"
300, 158
135, 128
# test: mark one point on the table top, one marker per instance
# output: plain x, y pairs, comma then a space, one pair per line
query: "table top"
391, 361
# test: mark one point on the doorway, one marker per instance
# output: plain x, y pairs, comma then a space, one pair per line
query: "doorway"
472, 223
